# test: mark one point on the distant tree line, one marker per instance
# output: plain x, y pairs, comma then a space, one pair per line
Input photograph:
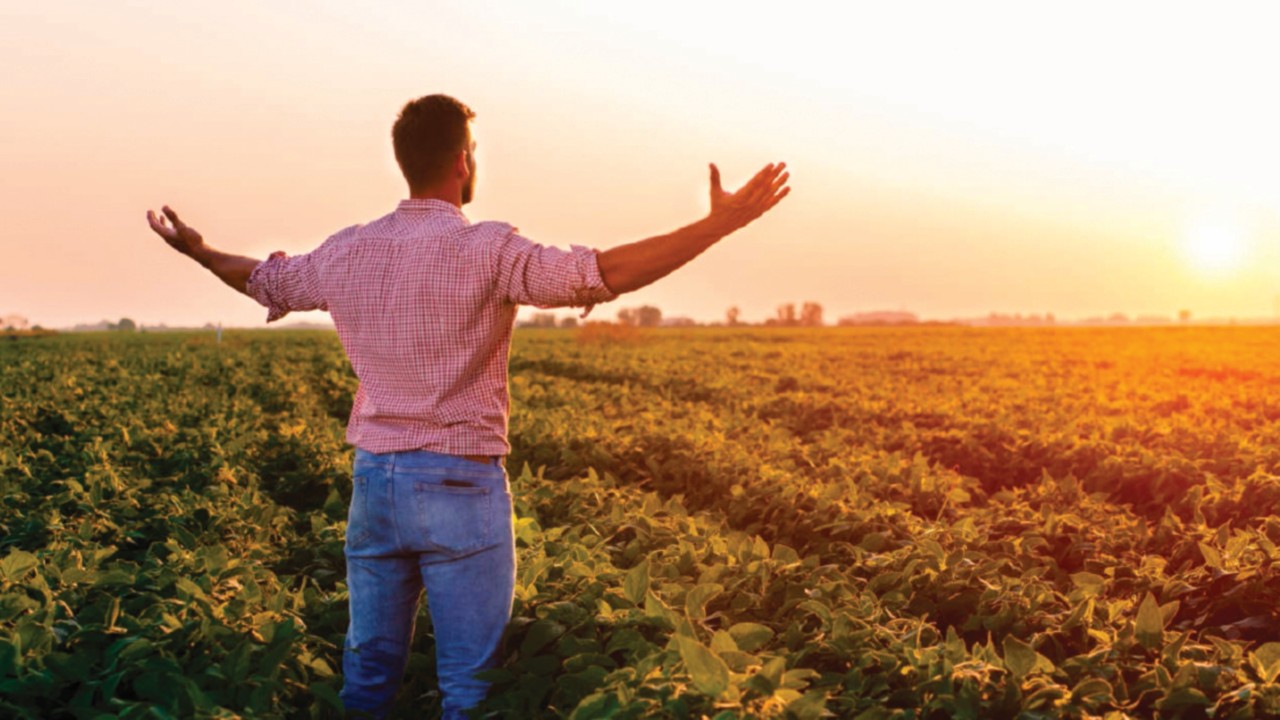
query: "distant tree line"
548, 320
809, 314
643, 316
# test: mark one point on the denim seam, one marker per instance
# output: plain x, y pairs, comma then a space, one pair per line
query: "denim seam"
363, 531
391, 504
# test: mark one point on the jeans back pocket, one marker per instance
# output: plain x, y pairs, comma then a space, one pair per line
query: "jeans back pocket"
454, 516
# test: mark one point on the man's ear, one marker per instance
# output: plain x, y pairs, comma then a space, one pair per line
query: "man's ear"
460, 166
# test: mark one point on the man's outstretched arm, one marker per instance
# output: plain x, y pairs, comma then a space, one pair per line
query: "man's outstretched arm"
635, 265
233, 270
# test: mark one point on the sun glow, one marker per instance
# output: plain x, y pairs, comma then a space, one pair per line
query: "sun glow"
1216, 246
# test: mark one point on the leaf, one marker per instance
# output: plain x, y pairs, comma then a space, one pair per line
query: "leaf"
540, 634
189, 589
1212, 557
1183, 697
750, 636
817, 608
798, 678
526, 530
598, 705
1080, 614
655, 608
328, 696
213, 557
811, 706
8, 657
934, 548
321, 668
1092, 691
583, 661
1019, 657
637, 582
1186, 676
769, 678
581, 683
738, 661
708, 672
103, 553
14, 604
954, 647
722, 642
1089, 583
113, 614
1149, 626
785, 555
1266, 661
17, 563
696, 601
33, 637
1046, 697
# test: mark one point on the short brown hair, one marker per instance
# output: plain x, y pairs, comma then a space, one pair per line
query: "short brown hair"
427, 135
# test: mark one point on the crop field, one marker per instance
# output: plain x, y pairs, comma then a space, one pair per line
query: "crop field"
712, 523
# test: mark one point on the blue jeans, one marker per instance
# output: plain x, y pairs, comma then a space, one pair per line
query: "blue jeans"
421, 519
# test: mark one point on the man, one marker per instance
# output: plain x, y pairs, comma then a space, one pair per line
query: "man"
424, 302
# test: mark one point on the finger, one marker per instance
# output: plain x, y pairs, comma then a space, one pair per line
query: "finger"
767, 201
766, 183
767, 178
778, 170
157, 223
759, 177
782, 180
749, 186
778, 198
774, 196
173, 216
715, 179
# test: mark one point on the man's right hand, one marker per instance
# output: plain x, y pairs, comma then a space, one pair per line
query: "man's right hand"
735, 210
233, 270
180, 236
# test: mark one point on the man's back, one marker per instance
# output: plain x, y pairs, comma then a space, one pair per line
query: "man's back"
424, 302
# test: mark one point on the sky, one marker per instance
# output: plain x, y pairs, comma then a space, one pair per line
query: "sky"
950, 159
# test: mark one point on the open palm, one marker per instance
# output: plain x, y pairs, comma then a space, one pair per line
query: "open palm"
179, 235
762, 192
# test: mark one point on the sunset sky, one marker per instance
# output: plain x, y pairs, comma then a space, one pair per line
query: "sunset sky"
949, 159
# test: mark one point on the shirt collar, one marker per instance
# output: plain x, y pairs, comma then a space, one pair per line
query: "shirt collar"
429, 205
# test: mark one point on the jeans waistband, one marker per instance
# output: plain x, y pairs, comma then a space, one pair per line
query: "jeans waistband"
422, 458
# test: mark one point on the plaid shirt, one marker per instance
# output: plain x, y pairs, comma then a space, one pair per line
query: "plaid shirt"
424, 302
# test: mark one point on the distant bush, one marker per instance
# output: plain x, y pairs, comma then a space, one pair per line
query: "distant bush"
36, 331
607, 333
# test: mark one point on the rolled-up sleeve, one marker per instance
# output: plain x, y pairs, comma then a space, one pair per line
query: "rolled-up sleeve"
532, 274
283, 284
